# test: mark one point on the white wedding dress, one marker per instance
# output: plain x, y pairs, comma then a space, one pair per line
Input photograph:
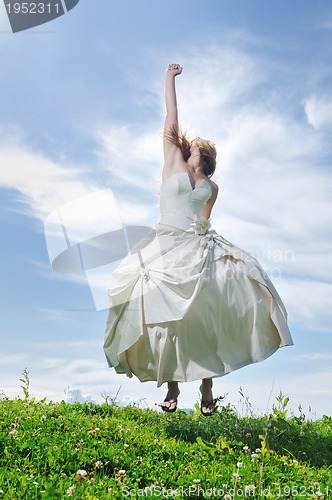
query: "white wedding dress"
186, 306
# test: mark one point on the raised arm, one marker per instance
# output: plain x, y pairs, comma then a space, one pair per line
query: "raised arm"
172, 153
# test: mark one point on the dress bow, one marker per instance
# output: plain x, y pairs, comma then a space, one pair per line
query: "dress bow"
201, 225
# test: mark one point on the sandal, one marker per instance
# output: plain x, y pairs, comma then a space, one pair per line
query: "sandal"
207, 404
173, 402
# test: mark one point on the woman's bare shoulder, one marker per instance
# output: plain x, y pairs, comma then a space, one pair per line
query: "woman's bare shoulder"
214, 186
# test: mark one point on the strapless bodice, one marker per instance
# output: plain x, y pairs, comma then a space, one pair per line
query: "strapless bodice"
180, 204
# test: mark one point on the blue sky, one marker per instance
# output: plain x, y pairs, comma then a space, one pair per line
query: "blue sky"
82, 112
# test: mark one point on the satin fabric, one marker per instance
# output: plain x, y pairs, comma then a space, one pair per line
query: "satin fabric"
186, 306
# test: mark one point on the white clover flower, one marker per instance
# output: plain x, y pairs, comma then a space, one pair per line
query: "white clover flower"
81, 475
43, 418
236, 475
121, 474
239, 465
258, 450
249, 488
196, 481
81, 472
126, 445
98, 464
71, 491
246, 449
227, 497
254, 457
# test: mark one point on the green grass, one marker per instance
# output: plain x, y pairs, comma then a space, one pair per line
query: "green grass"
87, 451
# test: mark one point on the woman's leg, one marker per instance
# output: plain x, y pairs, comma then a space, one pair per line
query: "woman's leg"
173, 392
207, 405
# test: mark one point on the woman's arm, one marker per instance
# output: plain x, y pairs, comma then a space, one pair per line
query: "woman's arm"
172, 153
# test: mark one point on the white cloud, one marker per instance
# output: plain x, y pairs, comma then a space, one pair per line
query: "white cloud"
73, 208
76, 396
55, 315
322, 356
216, 80
319, 112
11, 359
313, 389
43, 184
51, 363
325, 24
132, 154
308, 302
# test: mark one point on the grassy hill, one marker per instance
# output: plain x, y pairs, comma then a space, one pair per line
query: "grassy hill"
89, 452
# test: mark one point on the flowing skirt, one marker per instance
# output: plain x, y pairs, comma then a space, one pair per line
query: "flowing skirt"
185, 307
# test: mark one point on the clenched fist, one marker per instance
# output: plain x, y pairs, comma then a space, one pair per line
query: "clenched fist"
174, 69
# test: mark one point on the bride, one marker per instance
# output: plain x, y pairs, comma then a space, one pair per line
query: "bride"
187, 304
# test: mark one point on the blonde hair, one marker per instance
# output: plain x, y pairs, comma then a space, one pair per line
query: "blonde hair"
206, 148
209, 153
